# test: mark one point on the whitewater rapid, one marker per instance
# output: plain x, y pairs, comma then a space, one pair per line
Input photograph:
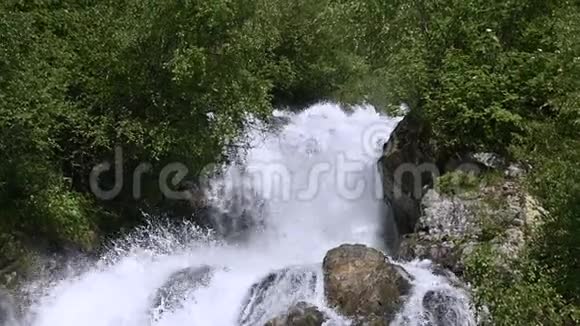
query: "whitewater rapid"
301, 188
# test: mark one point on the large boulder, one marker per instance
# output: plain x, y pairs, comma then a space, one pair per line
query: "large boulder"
178, 287
407, 149
301, 314
362, 285
274, 294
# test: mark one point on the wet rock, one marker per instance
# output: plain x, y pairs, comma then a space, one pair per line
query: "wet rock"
301, 314
448, 226
444, 309
276, 292
406, 150
178, 288
362, 285
445, 254
237, 214
277, 122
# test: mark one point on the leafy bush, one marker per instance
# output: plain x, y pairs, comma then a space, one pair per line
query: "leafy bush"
516, 293
555, 179
174, 81
457, 182
165, 81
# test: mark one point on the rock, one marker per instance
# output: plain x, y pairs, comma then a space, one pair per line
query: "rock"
362, 285
410, 164
178, 287
444, 309
264, 301
448, 226
301, 314
533, 212
444, 253
445, 216
406, 149
514, 171
510, 243
517, 222
488, 160
452, 226
235, 213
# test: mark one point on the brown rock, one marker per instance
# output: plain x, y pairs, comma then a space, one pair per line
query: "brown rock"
301, 314
361, 284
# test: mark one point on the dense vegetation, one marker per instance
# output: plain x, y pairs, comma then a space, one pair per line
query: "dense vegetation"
173, 81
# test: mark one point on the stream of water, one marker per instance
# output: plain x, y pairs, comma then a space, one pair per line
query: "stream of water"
302, 188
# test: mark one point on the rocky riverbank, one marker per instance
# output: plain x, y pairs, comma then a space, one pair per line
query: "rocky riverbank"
449, 208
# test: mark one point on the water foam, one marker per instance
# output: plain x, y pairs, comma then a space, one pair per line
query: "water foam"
296, 193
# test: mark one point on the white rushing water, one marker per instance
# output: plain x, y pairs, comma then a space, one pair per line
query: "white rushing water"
301, 189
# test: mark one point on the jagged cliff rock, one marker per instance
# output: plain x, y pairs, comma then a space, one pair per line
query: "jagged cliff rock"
500, 214
406, 149
411, 162
454, 209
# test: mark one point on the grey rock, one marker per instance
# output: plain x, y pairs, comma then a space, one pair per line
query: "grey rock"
445, 216
451, 227
517, 222
178, 288
444, 253
514, 171
444, 309
489, 160
301, 314
264, 300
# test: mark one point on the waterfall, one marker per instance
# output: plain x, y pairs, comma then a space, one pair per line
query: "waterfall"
300, 189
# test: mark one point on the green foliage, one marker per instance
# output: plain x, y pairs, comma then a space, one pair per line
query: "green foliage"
79, 78
478, 71
457, 182
541, 287
516, 293
554, 153
492, 226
